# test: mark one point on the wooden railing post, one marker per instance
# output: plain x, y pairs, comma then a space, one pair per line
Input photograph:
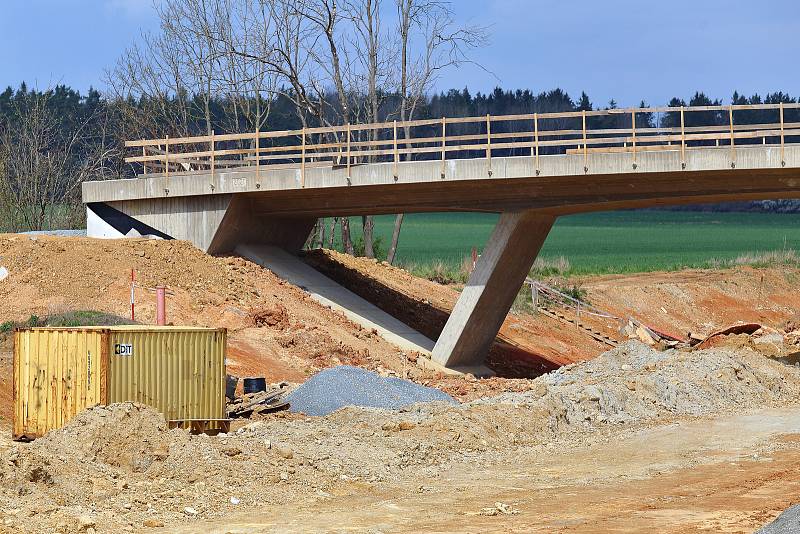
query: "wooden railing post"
303, 161
633, 135
348, 151
213, 156
733, 145
489, 143
144, 163
536, 140
444, 145
396, 153
166, 157
783, 158
585, 148
258, 154
683, 141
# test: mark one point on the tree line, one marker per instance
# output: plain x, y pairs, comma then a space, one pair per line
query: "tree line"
52, 140
235, 66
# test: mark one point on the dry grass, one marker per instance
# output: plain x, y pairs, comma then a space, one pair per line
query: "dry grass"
786, 257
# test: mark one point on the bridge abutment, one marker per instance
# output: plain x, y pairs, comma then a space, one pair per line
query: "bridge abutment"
492, 287
215, 223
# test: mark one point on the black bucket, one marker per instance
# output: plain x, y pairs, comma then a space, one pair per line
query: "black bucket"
230, 386
255, 385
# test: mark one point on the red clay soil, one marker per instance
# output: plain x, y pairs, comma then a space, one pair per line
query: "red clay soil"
701, 301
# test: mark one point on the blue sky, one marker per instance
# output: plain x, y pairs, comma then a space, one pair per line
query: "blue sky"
623, 49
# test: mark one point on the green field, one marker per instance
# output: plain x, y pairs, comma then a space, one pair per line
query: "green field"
613, 242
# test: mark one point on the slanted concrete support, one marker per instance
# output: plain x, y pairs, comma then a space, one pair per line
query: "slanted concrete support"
485, 301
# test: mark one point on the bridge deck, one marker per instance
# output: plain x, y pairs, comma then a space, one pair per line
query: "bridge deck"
268, 188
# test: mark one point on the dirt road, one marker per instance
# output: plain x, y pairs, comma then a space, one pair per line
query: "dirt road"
730, 474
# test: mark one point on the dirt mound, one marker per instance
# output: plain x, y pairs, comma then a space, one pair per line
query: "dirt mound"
118, 467
635, 383
275, 329
126, 435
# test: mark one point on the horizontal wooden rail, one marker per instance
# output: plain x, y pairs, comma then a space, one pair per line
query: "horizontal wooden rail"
530, 135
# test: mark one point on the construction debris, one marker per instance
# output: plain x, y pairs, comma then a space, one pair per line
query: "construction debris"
742, 328
261, 402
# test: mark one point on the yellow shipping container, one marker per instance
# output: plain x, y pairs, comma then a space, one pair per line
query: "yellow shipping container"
179, 371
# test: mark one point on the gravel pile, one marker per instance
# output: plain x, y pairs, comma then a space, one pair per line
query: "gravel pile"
786, 523
341, 386
634, 383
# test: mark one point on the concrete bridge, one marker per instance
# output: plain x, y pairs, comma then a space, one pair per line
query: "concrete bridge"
268, 188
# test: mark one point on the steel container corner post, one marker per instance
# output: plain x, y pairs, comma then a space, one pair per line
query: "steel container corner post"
58, 372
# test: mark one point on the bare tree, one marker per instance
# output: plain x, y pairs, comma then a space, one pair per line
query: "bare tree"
44, 163
441, 44
335, 60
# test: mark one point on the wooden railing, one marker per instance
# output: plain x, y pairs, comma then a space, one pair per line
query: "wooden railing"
533, 135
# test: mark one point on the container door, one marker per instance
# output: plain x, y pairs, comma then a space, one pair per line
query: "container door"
56, 375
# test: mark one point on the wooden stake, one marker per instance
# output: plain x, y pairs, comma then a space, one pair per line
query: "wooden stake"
633, 132
258, 154
348, 151
733, 148
585, 149
489, 142
444, 144
166, 157
536, 140
783, 159
303, 162
683, 141
213, 158
396, 153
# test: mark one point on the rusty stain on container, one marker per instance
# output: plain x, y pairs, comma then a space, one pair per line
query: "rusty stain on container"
179, 371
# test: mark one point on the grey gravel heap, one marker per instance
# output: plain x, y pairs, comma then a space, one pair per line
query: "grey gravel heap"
786, 523
341, 386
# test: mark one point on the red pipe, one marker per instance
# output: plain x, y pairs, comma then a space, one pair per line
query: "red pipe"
161, 306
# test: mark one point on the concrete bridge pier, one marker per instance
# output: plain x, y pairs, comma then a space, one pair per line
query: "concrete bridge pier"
492, 287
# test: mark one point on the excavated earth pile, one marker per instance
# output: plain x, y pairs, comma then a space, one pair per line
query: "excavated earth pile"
119, 468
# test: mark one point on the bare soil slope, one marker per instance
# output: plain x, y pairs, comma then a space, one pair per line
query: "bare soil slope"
275, 329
